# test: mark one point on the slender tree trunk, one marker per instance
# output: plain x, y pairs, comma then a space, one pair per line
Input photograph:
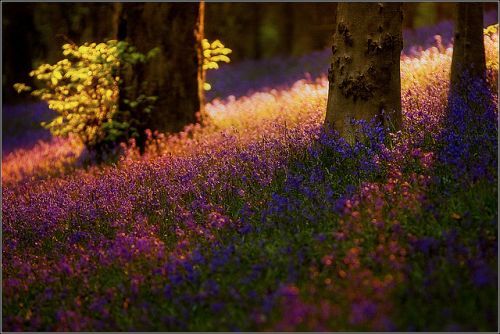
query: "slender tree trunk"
256, 28
172, 75
288, 33
364, 77
200, 35
468, 48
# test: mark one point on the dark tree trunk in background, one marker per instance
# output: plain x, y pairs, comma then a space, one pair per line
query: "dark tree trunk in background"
310, 26
20, 40
364, 78
261, 30
236, 24
289, 33
256, 31
60, 23
172, 75
468, 46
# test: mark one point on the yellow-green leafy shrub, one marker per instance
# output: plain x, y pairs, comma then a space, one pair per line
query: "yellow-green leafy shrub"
83, 90
213, 53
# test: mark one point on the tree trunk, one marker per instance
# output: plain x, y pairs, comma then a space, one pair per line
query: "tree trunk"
256, 29
288, 27
21, 40
200, 34
172, 75
468, 46
364, 77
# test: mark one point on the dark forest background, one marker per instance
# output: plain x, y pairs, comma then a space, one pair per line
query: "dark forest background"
33, 33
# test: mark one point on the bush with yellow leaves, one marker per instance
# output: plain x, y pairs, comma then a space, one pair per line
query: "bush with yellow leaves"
213, 53
83, 90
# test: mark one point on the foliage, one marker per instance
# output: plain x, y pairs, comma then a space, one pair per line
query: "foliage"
213, 53
83, 90
490, 32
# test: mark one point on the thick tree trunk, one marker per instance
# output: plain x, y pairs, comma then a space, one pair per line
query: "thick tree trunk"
172, 75
364, 77
468, 48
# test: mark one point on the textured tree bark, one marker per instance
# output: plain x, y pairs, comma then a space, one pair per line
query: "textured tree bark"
468, 47
172, 75
364, 76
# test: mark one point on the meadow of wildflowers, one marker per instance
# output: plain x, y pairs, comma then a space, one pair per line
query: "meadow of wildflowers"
260, 220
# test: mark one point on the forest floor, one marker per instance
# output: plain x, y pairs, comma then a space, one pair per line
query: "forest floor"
261, 221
